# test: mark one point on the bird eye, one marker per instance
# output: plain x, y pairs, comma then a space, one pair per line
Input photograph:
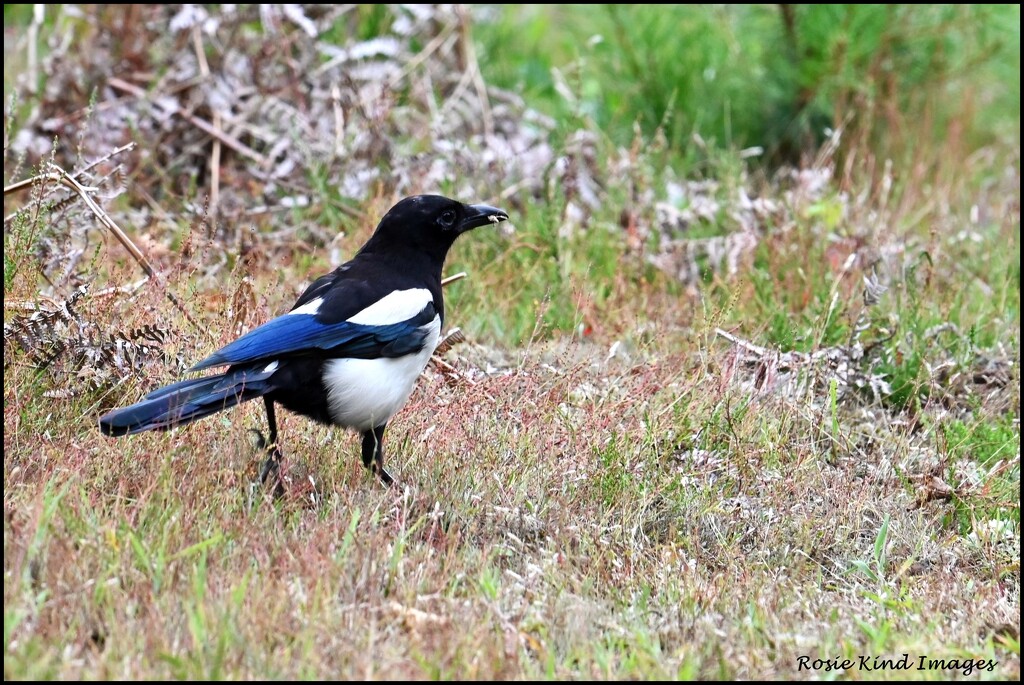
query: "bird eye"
447, 217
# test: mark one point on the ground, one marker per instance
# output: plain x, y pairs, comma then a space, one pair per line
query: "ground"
716, 421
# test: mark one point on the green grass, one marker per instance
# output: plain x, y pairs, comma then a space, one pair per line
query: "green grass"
620, 492
767, 75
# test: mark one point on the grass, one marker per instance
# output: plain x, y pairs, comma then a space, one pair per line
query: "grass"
766, 75
609, 488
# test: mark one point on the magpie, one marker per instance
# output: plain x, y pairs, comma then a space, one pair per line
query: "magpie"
349, 351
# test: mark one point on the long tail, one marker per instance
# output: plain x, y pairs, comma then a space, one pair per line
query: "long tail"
186, 401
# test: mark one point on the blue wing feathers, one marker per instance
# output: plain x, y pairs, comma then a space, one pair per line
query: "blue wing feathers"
296, 334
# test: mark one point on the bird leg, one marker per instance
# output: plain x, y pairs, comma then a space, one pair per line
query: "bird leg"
273, 462
373, 454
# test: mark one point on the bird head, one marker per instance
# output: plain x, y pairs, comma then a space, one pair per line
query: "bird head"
430, 224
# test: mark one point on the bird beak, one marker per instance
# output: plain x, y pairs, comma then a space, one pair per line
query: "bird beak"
481, 215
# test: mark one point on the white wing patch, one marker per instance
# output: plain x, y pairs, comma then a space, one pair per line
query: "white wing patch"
311, 307
398, 306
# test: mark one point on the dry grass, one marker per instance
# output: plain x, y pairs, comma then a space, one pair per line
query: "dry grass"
568, 515
698, 430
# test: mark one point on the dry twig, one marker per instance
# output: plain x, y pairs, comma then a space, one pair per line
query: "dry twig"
59, 175
226, 138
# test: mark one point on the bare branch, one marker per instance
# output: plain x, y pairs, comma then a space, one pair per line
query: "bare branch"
62, 177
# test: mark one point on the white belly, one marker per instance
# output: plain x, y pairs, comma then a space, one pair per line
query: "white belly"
364, 393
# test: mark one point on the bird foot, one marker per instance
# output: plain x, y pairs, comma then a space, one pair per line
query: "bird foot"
271, 467
385, 477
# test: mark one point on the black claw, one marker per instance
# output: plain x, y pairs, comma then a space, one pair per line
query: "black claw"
273, 466
273, 462
384, 476
270, 465
373, 454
